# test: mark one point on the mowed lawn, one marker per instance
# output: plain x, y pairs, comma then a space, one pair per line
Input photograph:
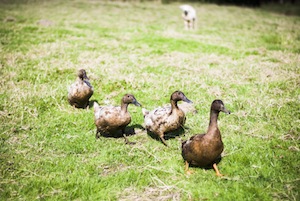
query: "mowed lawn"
247, 57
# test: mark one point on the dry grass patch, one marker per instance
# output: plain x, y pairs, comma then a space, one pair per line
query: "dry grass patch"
160, 193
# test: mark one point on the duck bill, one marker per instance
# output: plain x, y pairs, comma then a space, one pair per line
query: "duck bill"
136, 103
226, 111
187, 100
85, 77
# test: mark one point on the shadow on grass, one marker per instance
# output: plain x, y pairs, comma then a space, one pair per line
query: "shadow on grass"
170, 135
210, 166
129, 131
91, 103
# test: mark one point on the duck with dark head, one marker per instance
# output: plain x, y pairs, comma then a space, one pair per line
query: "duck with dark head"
80, 91
203, 150
111, 120
166, 119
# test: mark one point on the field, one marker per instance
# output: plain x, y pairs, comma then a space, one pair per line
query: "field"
248, 57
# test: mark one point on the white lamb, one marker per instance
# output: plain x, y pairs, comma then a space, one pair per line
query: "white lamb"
189, 16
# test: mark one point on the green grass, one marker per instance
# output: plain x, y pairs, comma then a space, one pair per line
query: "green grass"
249, 58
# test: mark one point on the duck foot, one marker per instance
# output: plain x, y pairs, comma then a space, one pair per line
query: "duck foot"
189, 172
127, 141
163, 141
97, 135
130, 143
186, 169
217, 170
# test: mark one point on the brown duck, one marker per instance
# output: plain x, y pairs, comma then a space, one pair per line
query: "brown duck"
110, 120
203, 150
80, 91
166, 119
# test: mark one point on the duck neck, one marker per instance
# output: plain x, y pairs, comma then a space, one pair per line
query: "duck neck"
174, 104
213, 123
124, 107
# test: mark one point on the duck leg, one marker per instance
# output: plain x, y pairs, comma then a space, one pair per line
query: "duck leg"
125, 138
97, 134
161, 136
87, 106
163, 140
217, 170
186, 168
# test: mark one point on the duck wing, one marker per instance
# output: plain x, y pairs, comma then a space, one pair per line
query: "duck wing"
80, 92
194, 138
110, 119
156, 116
191, 149
106, 112
73, 89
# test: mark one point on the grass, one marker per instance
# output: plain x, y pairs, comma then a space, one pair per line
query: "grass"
249, 58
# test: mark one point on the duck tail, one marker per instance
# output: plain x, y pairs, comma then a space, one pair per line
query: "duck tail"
183, 143
96, 107
145, 112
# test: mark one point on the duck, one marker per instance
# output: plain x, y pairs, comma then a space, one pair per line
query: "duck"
166, 119
204, 150
111, 120
80, 91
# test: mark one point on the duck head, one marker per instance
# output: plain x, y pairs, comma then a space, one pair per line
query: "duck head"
178, 96
82, 74
218, 106
130, 99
